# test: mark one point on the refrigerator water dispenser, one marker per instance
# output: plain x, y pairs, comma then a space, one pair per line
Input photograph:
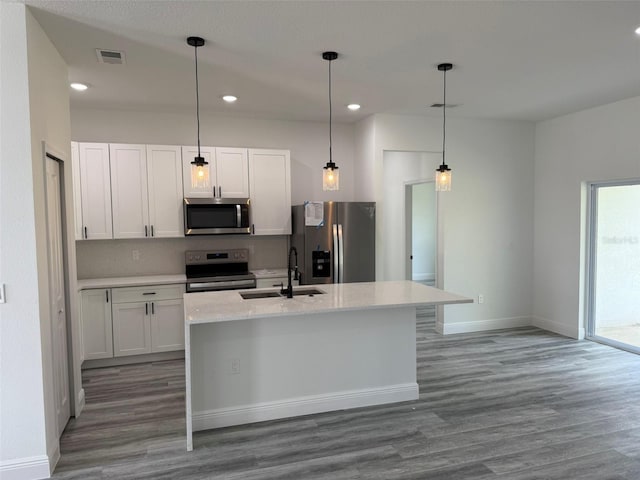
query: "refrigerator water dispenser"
321, 263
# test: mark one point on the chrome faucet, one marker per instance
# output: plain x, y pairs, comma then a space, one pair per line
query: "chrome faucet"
289, 289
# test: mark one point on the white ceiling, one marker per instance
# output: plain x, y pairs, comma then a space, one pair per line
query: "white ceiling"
528, 60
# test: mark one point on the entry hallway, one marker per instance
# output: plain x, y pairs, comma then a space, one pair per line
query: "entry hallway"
511, 404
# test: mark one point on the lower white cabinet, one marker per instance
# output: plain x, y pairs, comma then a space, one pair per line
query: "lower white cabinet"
95, 311
127, 321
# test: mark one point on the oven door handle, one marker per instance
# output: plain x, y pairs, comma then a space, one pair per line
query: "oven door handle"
222, 285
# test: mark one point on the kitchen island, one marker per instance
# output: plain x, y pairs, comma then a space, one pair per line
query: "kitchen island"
250, 360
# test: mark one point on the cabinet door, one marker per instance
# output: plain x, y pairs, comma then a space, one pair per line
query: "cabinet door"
270, 187
167, 325
188, 154
164, 177
129, 197
95, 312
77, 192
131, 328
232, 172
95, 190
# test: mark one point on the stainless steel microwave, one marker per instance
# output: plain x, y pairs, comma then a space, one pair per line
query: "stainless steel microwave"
217, 216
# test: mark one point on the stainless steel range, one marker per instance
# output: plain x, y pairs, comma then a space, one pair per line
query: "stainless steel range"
218, 270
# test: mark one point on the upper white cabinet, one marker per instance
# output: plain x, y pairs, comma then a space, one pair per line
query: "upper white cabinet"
95, 190
77, 191
228, 172
146, 184
129, 197
270, 186
164, 179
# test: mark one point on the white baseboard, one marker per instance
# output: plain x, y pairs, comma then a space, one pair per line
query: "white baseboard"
571, 331
424, 277
30, 468
482, 325
293, 407
80, 403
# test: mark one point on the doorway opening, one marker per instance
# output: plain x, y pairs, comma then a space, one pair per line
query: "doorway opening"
613, 309
420, 214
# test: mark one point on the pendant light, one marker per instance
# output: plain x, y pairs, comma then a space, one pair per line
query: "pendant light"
199, 166
443, 172
330, 174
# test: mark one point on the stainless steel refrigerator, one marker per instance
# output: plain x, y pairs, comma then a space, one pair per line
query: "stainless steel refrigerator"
336, 241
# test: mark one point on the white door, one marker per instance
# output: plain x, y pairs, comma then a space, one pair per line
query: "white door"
129, 197
56, 297
164, 177
270, 188
95, 186
209, 154
232, 172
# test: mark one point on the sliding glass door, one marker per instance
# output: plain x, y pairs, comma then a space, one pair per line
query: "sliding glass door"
614, 265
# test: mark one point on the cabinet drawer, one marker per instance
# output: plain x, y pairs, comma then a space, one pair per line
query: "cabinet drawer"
274, 282
148, 293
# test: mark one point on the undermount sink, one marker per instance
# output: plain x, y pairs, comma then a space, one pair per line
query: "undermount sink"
254, 295
276, 293
307, 291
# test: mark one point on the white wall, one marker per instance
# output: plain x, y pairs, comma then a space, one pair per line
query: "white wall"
34, 100
593, 145
486, 220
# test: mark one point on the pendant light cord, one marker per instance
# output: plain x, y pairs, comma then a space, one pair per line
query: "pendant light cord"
330, 115
197, 100
444, 115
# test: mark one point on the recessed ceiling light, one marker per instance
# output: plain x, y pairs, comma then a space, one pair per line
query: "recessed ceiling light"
81, 87
353, 107
638, 31
229, 98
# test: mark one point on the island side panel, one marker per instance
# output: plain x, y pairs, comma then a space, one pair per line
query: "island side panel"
187, 371
261, 369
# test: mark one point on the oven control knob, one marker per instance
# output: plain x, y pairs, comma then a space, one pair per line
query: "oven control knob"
197, 257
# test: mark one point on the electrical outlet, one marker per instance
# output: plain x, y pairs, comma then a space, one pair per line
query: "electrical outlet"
480, 298
136, 255
235, 366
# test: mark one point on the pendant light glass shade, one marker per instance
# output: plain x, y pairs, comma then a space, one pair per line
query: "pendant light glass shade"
443, 172
199, 166
330, 174
330, 177
200, 174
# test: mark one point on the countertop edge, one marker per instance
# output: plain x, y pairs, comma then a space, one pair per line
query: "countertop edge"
115, 282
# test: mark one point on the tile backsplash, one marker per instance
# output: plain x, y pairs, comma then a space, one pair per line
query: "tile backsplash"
159, 256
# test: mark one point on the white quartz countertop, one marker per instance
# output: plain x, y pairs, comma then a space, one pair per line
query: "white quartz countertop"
130, 281
211, 307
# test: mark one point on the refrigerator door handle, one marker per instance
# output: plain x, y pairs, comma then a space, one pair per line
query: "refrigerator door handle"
341, 253
335, 252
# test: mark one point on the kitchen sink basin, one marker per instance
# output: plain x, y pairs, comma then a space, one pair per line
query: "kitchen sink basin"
307, 291
254, 295
276, 294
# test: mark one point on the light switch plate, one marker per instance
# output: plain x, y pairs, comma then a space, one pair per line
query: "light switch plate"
2, 295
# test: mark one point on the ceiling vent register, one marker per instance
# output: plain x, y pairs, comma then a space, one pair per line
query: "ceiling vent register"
113, 57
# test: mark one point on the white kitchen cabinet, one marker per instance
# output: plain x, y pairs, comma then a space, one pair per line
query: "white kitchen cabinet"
146, 184
77, 191
164, 180
97, 337
95, 187
129, 195
270, 187
148, 319
228, 172
167, 325
131, 328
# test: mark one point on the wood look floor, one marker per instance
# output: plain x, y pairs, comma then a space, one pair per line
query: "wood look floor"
517, 404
